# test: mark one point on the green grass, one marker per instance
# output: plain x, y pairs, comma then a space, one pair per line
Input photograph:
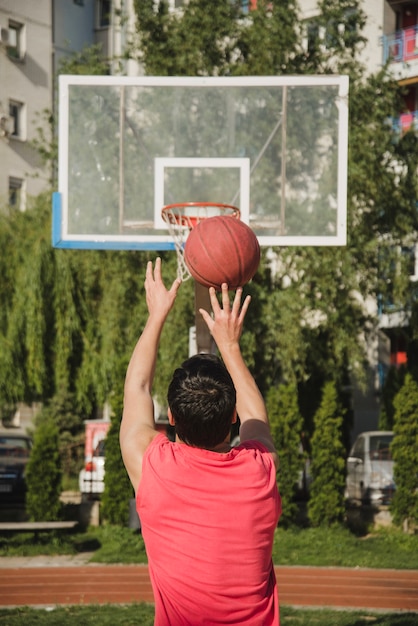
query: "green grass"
338, 547
386, 548
143, 615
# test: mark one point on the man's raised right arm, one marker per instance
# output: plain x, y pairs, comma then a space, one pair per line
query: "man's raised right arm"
226, 328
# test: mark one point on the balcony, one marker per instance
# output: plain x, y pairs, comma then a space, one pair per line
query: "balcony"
402, 46
401, 50
405, 122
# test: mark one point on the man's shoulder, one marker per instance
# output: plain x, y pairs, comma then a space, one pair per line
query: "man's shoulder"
259, 449
160, 439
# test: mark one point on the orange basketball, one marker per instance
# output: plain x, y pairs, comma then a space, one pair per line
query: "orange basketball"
222, 249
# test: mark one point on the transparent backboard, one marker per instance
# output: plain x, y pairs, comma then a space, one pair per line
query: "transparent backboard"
275, 147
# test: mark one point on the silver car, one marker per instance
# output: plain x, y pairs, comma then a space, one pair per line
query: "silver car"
370, 469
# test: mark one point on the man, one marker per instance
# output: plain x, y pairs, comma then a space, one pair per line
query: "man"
208, 512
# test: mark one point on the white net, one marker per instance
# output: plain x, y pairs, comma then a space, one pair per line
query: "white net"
182, 218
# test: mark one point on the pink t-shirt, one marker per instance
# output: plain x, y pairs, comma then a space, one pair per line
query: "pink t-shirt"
208, 521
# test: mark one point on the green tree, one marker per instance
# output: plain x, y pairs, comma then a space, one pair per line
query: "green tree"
404, 506
392, 384
201, 42
342, 21
326, 504
286, 428
118, 489
43, 473
62, 409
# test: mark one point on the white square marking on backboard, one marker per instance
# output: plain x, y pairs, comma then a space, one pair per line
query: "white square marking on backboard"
243, 164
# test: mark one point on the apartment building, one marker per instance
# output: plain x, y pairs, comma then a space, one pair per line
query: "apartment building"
35, 37
392, 37
26, 89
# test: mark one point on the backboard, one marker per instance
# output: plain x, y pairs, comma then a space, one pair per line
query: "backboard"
275, 147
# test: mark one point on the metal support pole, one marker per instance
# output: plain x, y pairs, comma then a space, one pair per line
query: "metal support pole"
204, 340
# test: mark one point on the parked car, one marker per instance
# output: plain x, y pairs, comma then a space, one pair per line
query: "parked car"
370, 469
91, 477
14, 454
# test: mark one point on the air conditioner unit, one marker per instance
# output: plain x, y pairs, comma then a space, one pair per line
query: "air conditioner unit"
6, 125
4, 35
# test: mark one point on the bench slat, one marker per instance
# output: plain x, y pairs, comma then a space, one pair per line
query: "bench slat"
37, 525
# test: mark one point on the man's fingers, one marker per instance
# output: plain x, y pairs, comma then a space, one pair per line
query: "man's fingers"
157, 268
175, 286
237, 301
225, 297
207, 318
148, 273
244, 308
213, 300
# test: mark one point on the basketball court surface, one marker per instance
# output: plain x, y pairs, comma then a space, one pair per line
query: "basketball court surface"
61, 583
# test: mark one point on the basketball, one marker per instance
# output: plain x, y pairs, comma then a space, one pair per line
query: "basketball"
222, 249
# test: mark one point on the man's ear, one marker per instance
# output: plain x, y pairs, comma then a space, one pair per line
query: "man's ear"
170, 417
234, 417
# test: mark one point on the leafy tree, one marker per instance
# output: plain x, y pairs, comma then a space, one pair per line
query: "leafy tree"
404, 506
62, 409
89, 61
393, 383
286, 428
118, 489
269, 41
326, 504
335, 38
201, 42
43, 473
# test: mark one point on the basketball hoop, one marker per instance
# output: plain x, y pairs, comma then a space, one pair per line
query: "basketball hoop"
182, 217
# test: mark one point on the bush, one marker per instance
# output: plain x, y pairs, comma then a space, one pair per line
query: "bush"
286, 427
404, 506
44, 474
118, 489
326, 504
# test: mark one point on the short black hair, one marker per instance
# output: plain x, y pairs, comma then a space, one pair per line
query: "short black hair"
202, 400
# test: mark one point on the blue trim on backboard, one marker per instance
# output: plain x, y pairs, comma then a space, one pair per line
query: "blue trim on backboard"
56, 219
91, 244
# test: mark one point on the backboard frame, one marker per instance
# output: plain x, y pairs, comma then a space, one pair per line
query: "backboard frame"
62, 238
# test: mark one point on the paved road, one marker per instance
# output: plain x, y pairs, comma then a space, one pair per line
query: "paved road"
38, 582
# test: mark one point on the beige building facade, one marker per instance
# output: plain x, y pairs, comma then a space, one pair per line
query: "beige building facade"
35, 37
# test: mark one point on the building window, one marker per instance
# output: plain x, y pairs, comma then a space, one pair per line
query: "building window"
16, 113
16, 194
172, 5
15, 40
104, 13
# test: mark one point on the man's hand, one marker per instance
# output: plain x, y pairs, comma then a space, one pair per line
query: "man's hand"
159, 299
227, 322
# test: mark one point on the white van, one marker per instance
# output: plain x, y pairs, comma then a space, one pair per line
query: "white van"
370, 469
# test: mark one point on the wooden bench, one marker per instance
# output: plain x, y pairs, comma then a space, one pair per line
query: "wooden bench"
36, 527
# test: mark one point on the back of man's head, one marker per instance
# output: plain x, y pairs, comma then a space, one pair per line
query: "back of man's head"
202, 399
